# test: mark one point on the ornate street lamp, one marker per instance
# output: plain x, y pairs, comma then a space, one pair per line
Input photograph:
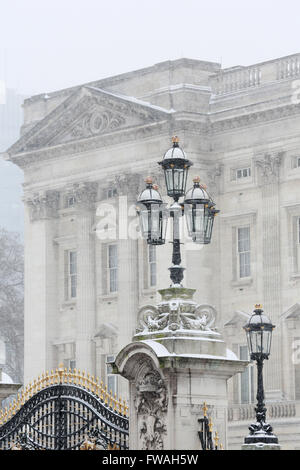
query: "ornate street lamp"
176, 167
153, 214
259, 335
200, 213
200, 209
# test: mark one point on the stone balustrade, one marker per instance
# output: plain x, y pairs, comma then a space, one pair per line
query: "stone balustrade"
275, 410
238, 78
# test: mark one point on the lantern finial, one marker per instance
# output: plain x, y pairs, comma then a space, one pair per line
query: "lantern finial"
148, 180
175, 141
258, 306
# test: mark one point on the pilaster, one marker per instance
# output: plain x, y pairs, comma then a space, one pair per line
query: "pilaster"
41, 266
85, 196
268, 168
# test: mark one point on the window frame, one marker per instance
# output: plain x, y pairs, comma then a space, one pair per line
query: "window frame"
239, 253
242, 170
249, 374
70, 284
152, 263
112, 269
110, 377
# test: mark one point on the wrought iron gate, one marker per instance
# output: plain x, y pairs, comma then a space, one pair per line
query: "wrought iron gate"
65, 410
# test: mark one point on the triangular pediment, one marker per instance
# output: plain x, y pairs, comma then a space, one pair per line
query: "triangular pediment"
238, 318
87, 113
292, 312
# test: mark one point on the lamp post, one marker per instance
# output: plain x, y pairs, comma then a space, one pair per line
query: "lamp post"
198, 206
259, 336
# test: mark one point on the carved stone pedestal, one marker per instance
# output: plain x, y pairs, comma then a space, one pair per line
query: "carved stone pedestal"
7, 388
176, 362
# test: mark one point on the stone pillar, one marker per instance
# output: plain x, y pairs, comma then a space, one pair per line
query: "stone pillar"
7, 389
41, 295
128, 279
85, 195
268, 166
176, 362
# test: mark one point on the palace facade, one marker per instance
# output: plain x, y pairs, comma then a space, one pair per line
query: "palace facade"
85, 152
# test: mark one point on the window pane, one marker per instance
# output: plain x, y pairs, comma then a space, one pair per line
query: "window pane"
111, 379
152, 264
72, 275
73, 262
152, 253
244, 251
246, 381
112, 256
73, 284
113, 280
111, 384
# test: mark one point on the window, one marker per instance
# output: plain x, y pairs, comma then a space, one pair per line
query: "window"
152, 264
111, 192
70, 201
298, 230
246, 378
111, 378
295, 162
243, 243
243, 173
70, 363
71, 274
113, 268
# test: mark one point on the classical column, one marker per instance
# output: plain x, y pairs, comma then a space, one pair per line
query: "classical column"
85, 196
128, 277
268, 166
41, 264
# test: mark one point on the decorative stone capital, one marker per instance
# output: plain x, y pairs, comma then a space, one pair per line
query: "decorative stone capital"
129, 184
43, 205
85, 194
213, 178
268, 166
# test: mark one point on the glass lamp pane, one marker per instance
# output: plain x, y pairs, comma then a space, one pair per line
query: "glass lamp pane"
155, 223
266, 342
189, 221
248, 335
164, 224
144, 222
257, 341
209, 227
169, 180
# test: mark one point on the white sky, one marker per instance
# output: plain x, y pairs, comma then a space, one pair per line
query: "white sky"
47, 45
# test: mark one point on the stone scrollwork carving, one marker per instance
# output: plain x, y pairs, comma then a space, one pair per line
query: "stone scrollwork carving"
151, 405
176, 314
97, 122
